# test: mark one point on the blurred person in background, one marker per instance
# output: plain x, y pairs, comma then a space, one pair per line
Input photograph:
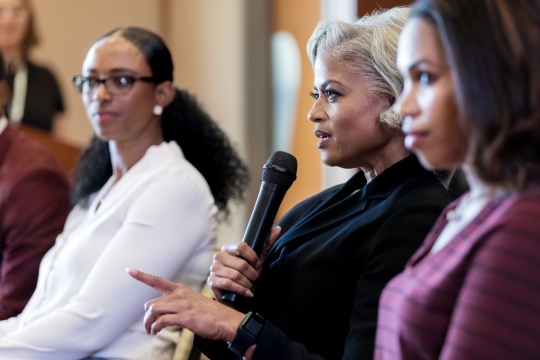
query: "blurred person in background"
36, 98
472, 99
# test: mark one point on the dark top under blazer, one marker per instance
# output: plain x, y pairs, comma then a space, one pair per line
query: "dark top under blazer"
43, 97
322, 280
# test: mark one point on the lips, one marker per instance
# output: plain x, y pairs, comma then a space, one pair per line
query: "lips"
105, 115
325, 138
413, 137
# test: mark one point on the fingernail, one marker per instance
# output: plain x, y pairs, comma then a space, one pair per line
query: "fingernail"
132, 271
249, 294
258, 266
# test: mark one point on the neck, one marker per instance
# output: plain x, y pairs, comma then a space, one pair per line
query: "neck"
477, 187
394, 152
12, 57
126, 154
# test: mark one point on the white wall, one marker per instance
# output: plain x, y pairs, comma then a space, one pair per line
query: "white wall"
206, 38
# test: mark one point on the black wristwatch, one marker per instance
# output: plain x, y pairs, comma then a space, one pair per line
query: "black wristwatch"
248, 333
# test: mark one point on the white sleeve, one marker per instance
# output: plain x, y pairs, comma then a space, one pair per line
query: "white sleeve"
165, 226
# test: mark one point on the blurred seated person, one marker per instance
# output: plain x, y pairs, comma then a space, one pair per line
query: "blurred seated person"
36, 99
34, 204
149, 190
472, 291
314, 291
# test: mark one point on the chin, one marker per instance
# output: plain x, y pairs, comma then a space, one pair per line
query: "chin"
102, 136
328, 162
426, 161
340, 163
435, 164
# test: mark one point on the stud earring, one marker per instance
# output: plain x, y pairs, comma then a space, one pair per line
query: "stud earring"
158, 110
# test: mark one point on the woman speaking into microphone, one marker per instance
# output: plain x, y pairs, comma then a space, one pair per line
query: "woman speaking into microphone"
314, 290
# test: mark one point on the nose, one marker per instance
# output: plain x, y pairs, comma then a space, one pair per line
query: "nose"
316, 113
101, 93
406, 104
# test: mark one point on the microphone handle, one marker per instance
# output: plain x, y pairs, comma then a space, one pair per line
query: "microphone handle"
259, 225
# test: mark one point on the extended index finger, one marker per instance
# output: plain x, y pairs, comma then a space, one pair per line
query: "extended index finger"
163, 286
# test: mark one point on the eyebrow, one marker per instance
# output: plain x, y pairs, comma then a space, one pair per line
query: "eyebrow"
115, 71
422, 62
327, 82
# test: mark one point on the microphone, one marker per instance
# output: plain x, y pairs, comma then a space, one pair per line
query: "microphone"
278, 174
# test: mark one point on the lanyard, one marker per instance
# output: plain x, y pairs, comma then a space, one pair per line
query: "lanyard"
20, 84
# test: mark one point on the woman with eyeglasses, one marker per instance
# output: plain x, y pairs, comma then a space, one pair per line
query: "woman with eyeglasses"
146, 194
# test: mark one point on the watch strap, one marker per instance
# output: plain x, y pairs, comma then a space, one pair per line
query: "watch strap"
248, 333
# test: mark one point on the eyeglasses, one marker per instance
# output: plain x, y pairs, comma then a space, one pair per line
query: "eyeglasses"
115, 85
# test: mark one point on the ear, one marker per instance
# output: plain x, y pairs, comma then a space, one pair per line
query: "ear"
164, 93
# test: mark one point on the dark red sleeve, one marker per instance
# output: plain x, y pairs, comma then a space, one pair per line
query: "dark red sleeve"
32, 216
497, 314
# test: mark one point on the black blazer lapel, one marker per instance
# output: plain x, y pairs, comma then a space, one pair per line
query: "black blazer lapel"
328, 212
341, 205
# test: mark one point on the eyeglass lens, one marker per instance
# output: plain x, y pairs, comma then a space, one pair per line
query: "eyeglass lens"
116, 85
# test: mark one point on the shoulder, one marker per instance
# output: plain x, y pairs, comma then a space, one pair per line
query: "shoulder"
406, 214
503, 238
504, 265
418, 190
414, 197
182, 169
515, 218
357, 181
300, 209
524, 208
40, 73
27, 155
407, 182
34, 68
168, 171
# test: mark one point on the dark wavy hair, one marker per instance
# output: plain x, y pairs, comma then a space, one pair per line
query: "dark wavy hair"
184, 121
493, 51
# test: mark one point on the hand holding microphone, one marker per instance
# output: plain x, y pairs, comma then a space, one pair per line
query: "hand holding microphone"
236, 268
279, 173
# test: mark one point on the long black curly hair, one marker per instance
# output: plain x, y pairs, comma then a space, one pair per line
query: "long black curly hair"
184, 121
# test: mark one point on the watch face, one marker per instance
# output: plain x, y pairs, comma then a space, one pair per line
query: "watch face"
247, 334
253, 326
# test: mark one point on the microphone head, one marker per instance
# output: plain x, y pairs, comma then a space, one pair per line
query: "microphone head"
280, 169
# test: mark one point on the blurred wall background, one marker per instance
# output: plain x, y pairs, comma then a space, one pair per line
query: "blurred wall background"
222, 54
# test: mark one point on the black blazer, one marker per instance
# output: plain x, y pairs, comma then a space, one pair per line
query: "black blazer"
322, 280
43, 97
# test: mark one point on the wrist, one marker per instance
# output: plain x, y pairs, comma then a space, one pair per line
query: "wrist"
232, 326
247, 334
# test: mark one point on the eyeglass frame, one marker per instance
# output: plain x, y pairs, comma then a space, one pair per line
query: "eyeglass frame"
83, 79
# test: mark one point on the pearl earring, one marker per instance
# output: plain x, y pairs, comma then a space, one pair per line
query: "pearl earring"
158, 110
